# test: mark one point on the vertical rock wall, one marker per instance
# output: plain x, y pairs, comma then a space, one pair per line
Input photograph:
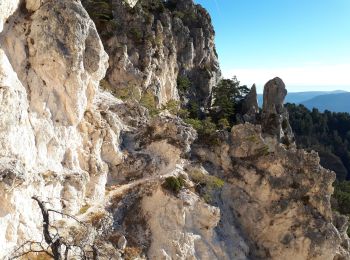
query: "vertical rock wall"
154, 43
51, 62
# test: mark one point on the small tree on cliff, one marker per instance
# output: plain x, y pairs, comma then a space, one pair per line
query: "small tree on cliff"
228, 95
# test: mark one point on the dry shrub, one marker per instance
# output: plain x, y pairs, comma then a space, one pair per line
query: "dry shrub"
131, 253
36, 256
96, 218
84, 209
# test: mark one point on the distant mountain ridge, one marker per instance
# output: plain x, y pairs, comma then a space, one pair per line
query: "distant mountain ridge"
339, 102
335, 101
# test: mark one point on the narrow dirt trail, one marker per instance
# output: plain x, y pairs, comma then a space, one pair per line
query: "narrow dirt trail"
170, 170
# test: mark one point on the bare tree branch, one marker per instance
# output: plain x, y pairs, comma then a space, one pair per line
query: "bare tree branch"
66, 215
53, 244
30, 250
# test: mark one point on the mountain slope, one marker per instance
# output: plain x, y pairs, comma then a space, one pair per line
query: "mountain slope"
299, 97
332, 102
123, 177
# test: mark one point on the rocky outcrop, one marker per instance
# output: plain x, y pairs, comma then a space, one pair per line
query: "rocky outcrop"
250, 107
134, 184
52, 133
274, 94
278, 198
275, 118
188, 232
156, 43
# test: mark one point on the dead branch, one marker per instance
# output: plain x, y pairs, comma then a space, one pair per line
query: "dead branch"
54, 241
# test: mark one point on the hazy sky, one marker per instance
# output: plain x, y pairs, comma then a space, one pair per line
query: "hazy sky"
305, 42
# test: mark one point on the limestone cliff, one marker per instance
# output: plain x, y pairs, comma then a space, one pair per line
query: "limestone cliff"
124, 184
155, 43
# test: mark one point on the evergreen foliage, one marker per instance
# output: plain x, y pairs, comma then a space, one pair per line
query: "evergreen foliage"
183, 84
206, 185
174, 184
327, 133
228, 96
173, 106
342, 197
148, 100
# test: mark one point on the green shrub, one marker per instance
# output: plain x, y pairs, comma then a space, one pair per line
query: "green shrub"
136, 34
252, 138
224, 123
342, 197
84, 209
343, 202
207, 185
179, 14
206, 129
228, 96
174, 184
208, 133
158, 40
173, 106
195, 123
153, 5
123, 93
99, 10
194, 109
183, 113
105, 85
183, 84
130, 92
262, 151
148, 101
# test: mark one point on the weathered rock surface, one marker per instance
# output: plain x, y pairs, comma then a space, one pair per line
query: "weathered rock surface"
154, 43
105, 161
50, 143
250, 107
279, 199
182, 227
7, 8
275, 118
274, 94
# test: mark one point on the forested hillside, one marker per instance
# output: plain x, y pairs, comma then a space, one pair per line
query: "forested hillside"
328, 133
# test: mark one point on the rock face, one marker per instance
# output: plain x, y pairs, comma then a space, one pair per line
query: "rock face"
250, 107
278, 198
51, 131
135, 179
155, 44
275, 119
274, 94
7, 8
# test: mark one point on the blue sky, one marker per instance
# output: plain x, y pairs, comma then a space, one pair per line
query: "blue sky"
305, 42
